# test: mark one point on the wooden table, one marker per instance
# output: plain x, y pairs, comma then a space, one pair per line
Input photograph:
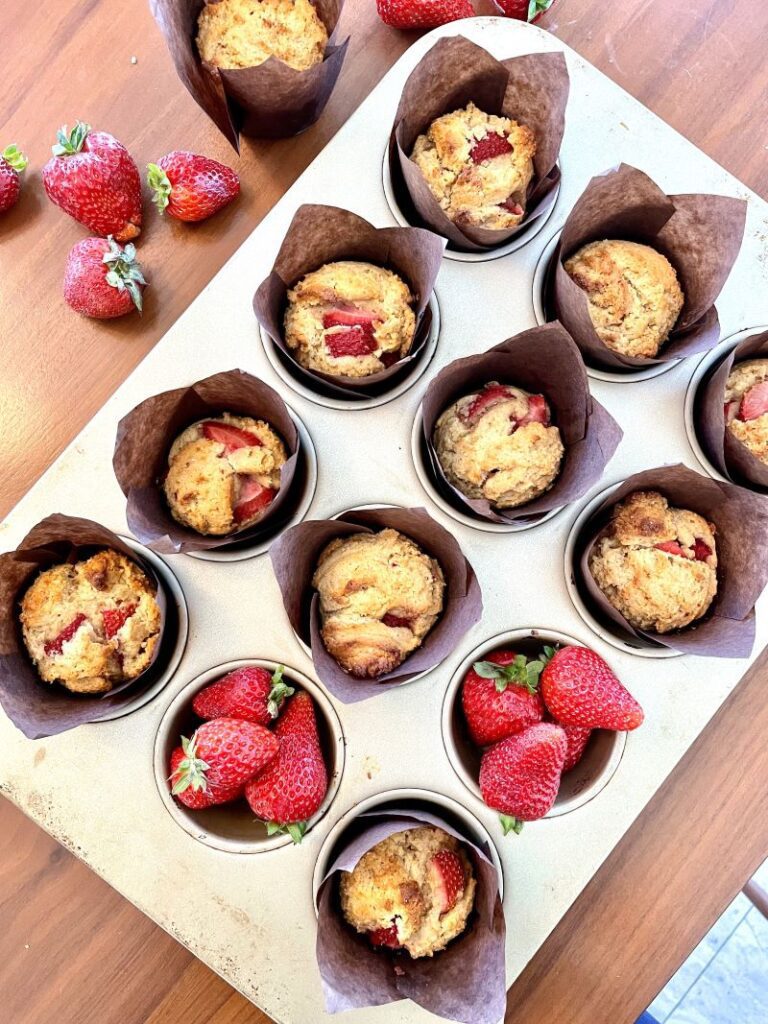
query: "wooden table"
70, 947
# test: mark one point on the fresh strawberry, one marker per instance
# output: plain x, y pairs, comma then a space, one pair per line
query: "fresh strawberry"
251, 693
538, 411
490, 396
55, 646
103, 280
252, 498
447, 873
488, 147
92, 177
292, 788
348, 318
396, 621
701, 550
422, 13
386, 937
578, 738
115, 618
199, 799
671, 547
191, 187
12, 164
579, 688
731, 411
524, 10
512, 206
355, 341
520, 776
224, 754
754, 402
499, 696
230, 436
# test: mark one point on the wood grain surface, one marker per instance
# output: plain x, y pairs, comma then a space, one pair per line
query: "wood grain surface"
71, 949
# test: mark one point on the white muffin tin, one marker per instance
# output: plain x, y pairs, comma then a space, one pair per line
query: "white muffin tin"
251, 917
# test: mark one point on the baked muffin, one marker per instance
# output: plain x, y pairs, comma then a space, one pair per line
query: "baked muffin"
499, 444
746, 405
350, 319
478, 167
633, 292
246, 33
223, 473
92, 624
379, 597
656, 565
414, 891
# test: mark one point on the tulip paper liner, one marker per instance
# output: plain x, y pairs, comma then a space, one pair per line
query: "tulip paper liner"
532, 90
294, 559
727, 630
726, 452
35, 707
145, 436
271, 100
545, 360
463, 982
324, 234
699, 234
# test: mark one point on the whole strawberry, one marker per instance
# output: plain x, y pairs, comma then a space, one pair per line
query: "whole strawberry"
197, 799
524, 10
292, 788
250, 693
579, 688
103, 280
191, 187
93, 178
499, 696
223, 755
520, 776
578, 738
12, 164
422, 13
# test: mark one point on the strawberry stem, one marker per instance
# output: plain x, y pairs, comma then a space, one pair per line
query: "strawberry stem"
191, 769
280, 691
13, 156
124, 272
160, 184
537, 7
521, 672
295, 829
71, 142
510, 824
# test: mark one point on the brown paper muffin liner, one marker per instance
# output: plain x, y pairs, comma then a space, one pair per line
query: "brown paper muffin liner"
544, 360
271, 100
294, 558
532, 90
325, 234
699, 234
464, 982
741, 521
144, 438
723, 449
41, 709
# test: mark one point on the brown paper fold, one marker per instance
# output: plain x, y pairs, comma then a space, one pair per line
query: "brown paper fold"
325, 234
532, 90
271, 100
700, 235
464, 982
41, 709
543, 359
144, 438
723, 449
294, 558
741, 522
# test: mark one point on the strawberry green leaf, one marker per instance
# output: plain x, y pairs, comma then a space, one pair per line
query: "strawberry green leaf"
294, 829
71, 142
13, 156
537, 7
124, 272
521, 672
280, 692
191, 769
160, 184
510, 824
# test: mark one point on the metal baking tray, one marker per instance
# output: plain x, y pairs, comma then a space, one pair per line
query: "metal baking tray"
233, 913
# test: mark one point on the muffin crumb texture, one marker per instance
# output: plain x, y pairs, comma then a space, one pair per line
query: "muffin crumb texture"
414, 891
245, 33
657, 565
380, 595
746, 405
633, 293
478, 167
91, 624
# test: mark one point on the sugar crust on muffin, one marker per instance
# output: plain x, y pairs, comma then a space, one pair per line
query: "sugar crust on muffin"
235, 34
746, 405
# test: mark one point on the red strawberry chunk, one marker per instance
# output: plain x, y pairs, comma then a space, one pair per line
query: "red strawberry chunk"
115, 618
755, 402
355, 341
385, 937
538, 411
701, 551
55, 646
491, 395
252, 498
397, 621
447, 879
512, 207
492, 145
731, 411
230, 436
672, 547
349, 318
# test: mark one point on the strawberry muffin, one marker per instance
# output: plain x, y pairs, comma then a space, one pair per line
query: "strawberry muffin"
93, 624
413, 891
655, 564
245, 33
223, 473
499, 444
746, 405
380, 595
633, 293
478, 167
350, 319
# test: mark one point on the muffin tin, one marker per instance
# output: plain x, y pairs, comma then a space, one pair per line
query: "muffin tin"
252, 917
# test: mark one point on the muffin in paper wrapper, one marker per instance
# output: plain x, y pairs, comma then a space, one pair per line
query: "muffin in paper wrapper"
294, 559
699, 234
542, 360
463, 982
271, 100
42, 709
145, 436
325, 234
532, 90
727, 630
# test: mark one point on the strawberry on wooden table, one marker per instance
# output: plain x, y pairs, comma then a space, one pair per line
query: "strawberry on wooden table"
251, 693
12, 164
448, 880
199, 799
499, 696
524, 10
579, 688
102, 279
223, 755
422, 13
191, 187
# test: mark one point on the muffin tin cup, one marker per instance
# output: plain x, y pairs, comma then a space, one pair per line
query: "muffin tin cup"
233, 828
583, 783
